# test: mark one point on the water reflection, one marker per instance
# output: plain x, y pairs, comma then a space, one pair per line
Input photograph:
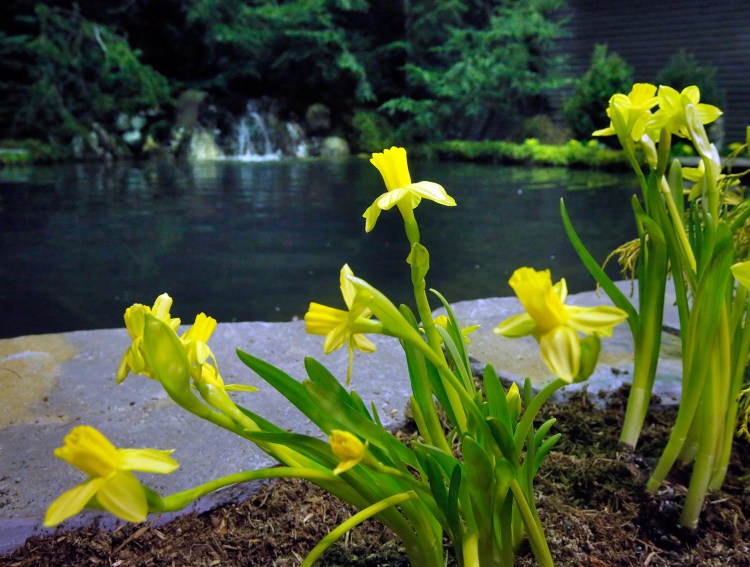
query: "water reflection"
258, 241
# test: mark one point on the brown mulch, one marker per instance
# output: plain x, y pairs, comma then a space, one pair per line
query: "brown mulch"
590, 497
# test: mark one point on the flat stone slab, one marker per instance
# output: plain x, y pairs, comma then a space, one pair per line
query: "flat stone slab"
54, 382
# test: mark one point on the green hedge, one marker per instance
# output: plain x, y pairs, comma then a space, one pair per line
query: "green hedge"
573, 154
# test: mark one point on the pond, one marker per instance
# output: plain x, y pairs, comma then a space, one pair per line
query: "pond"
258, 241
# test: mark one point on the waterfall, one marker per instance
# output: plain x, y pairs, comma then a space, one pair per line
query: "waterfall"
262, 136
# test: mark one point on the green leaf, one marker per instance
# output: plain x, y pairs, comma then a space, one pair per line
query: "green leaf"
290, 389
496, 397
543, 451
503, 436
543, 430
614, 293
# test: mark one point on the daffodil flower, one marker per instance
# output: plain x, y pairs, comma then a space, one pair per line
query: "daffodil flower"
203, 367
671, 113
634, 111
401, 191
111, 482
342, 327
348, 448
554, 325
135, 319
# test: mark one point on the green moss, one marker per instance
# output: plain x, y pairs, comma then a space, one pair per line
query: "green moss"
24, 152
573, 154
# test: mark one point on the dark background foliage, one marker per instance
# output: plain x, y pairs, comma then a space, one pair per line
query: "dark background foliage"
436, 69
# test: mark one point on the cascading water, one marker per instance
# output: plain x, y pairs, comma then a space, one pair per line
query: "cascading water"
262, 137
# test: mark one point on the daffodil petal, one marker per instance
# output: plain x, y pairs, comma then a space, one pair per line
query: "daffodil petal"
147, 460
336, 338
391, 198
241, 388
707, 113
345, 466
123, 496
362, 343
70, 502
561, 352
741, 271
598, 320
433, 192
371, 217
348, 291
516, 326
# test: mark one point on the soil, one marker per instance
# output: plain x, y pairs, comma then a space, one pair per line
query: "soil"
590, 495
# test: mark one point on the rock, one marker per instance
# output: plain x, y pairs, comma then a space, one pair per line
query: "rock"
203, 146
318, 119
187, 109
334, 147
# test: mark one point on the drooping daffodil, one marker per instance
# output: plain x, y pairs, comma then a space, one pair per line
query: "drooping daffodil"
111, 484
348, 448
343, 327
401, 191
672, 105
135, 319
201, 360
630, 114
554, 325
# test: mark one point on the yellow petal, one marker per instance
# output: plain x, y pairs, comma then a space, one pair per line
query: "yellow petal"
147, 460
561, 352
433, 192
741, 271
123, 496
707, 113
516, 326
598, 320
347, 288
336, 338
70, 502
362, 343
371, 217
388, 200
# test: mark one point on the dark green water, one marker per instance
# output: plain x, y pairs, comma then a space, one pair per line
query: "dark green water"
258, 241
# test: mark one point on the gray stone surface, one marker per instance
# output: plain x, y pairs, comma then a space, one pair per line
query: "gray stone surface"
51, 383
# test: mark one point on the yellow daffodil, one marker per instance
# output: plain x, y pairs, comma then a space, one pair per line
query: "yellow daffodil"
135, 318
633, 110
348, 448
401, 191
671, 113
111, 481
553, 324
342, 327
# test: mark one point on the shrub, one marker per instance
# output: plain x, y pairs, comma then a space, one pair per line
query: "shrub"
585, 110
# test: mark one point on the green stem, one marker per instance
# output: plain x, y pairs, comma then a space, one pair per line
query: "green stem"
352, 522
710, 431
533, 527
179, 500
730, 423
